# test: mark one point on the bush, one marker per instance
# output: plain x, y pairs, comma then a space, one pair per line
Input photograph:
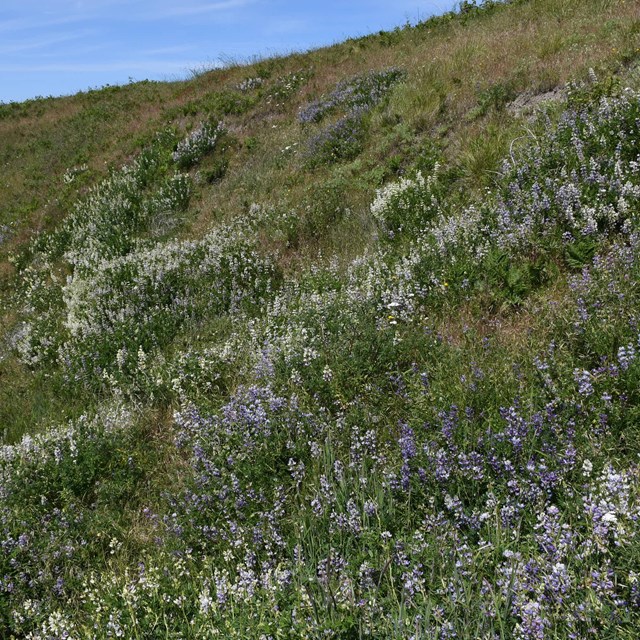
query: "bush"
408, 204
342, 140
356, 94
197, 144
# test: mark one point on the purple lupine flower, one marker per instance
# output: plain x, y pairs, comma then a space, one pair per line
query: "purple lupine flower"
583, 378
533, 622
370, 508
517, 427
626, 355
558, 583
449, 420
407, 443
412, 581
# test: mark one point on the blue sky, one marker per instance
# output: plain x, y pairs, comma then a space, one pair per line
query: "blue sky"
57, 47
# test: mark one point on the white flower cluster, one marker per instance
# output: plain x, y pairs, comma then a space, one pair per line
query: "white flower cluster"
167, 275
73, 172
407, 203
248, 84
57, 442
197, 144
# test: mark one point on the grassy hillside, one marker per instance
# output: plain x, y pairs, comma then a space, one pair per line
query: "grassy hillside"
335, 345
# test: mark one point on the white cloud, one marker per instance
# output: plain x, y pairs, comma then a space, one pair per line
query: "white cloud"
286, 26
145, 66
7, 48
25, 24
163, 51
198, 9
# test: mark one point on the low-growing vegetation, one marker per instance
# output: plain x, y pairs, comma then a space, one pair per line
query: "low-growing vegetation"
359, 359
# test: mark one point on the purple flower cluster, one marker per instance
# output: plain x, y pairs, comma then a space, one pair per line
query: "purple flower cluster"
225, 506
341, 140
579, 179
359, 93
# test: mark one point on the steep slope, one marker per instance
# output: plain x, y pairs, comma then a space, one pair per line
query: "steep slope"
341, 344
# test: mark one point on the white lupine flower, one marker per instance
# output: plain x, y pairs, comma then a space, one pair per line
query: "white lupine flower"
199, 142
205, 601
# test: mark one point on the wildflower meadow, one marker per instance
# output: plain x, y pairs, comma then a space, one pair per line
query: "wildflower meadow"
432, 434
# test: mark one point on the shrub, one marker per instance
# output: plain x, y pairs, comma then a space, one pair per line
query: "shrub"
286, 86
342, 140
356, 94
408, 204
201, 141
